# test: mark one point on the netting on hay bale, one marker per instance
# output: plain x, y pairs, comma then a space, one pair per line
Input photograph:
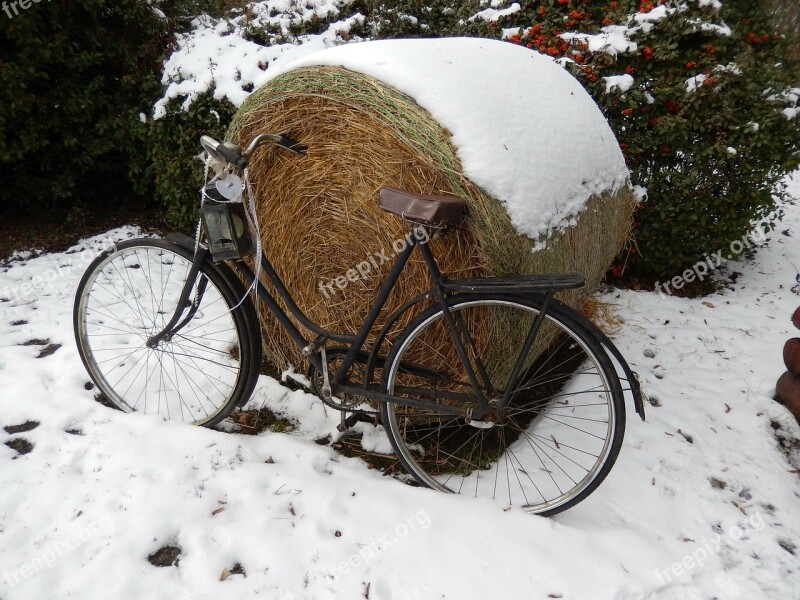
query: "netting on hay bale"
319, 213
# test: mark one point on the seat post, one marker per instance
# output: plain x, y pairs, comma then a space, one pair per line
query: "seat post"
430, 260
441, 298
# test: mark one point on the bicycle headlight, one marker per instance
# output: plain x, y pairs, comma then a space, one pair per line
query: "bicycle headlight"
226, 228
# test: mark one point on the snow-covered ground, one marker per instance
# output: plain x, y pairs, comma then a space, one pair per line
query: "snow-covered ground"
702, 503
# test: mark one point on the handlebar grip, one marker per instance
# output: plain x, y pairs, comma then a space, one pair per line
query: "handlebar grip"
232, 157
292, 145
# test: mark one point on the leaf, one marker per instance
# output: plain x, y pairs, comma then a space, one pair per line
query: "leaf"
217, 511
717, 484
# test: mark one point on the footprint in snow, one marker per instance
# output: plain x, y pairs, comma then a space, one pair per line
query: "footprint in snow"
26, 426
21, 445
47, 348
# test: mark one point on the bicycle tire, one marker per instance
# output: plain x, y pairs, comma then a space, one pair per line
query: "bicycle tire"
121, 302
412, 431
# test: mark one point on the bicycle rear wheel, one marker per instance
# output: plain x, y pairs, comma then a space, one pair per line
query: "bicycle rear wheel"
198, 374
554, 442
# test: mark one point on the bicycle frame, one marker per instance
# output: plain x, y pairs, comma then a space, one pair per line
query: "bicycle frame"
356, 341
442, 290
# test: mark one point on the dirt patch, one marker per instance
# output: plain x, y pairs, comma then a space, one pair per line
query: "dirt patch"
103, 400
26, 426
56, 230
253, 422
789, 546
48, 350
270, 369
21, 445
166, 556
788, 443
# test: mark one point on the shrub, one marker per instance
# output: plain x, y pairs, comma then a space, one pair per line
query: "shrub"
701, 113
74, 78
704, 118
168, 144
704, 124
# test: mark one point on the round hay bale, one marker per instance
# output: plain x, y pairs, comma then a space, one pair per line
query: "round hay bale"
319, 213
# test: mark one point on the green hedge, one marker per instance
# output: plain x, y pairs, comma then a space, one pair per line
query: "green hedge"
169, 143
709, 170
711, 157
74, 79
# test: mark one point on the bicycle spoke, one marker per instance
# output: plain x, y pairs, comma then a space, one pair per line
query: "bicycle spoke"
133, 293
547, 445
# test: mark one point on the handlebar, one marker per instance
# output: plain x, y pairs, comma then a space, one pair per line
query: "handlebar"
232, 156
231, 152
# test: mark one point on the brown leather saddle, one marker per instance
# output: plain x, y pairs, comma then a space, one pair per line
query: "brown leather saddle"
431, 210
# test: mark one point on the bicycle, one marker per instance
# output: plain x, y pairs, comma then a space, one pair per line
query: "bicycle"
536, 419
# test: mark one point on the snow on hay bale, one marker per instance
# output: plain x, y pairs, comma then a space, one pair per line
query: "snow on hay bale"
503, 127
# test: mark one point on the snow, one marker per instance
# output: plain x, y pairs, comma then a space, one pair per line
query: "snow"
617, 39
695, 82
646, 19
622, 83
720, 29
537, 141
612, 39
216, 55
696, 507
731, 68
640, 192
493, 14
509, 31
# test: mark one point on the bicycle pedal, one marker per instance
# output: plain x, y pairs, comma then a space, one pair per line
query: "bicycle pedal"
350, 422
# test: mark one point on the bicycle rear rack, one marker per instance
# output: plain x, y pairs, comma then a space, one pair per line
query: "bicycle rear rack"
517, 285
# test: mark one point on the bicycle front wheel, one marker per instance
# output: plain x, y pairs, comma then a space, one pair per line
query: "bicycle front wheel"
200, 372
554, 441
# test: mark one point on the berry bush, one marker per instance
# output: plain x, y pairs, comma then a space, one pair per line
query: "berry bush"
700, 94
700, 97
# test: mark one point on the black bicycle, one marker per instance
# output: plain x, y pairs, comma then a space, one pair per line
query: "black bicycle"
495, 388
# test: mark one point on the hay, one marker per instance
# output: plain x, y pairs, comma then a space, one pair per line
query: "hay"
603, 315
319, 213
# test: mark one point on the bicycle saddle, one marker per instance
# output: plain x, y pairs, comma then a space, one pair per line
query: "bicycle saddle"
433, 210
